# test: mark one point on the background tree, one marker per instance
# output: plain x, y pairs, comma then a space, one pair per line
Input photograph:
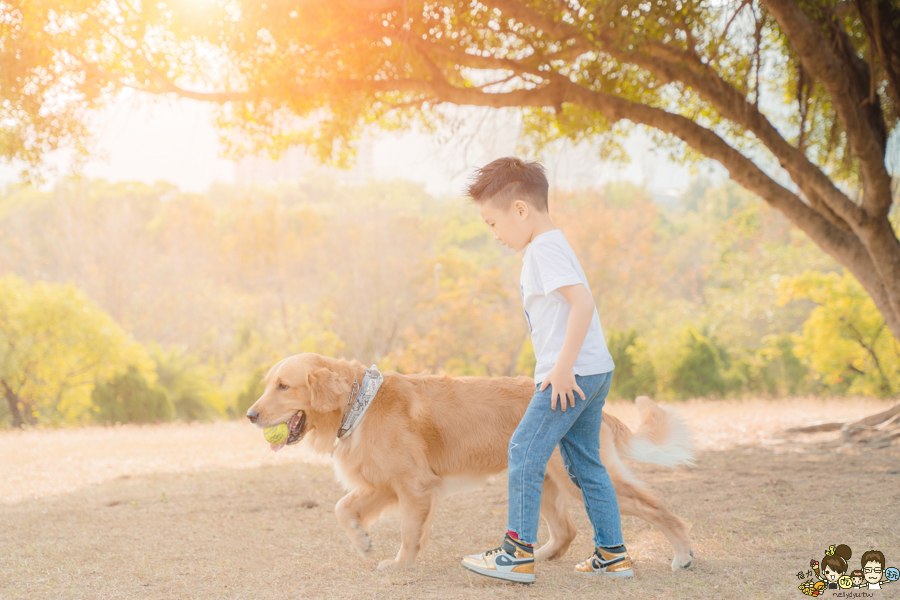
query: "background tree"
238, 311
845, 339
55, 344
796, 99
468, 321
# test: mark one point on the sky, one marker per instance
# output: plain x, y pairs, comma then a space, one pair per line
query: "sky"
139, 138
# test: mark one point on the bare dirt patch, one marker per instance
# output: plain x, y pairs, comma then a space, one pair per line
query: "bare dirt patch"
206, 511
36, 463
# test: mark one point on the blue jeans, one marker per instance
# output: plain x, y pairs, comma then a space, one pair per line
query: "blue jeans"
577, 432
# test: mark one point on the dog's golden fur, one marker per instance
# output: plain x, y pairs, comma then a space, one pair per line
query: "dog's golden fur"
424, 431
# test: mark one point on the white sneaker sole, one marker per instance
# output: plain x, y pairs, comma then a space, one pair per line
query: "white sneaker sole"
619, 574
515, 577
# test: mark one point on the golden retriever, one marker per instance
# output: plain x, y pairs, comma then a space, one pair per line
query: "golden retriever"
423, 434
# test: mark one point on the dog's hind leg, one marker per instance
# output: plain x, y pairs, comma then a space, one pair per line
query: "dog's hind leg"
639, 502
555, 510
418, 499
635, 500
357, 510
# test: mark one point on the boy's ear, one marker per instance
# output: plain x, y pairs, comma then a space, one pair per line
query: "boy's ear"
326, 390
521, 207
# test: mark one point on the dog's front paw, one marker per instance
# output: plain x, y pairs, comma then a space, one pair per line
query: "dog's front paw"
546, 552
363, 545
387, 564
399, 563
682, 562
360, 540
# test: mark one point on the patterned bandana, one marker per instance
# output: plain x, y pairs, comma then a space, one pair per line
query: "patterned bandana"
358, 406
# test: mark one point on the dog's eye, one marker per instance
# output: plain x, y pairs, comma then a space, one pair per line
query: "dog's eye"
283, 386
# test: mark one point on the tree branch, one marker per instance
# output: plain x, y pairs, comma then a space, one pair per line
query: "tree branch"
867, 141
670, 65
870, 349
830, 235
836, 242
879, 19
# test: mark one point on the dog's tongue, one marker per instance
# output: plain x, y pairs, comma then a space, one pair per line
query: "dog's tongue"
277, 447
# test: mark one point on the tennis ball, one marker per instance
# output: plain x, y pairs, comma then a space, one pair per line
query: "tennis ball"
276, 435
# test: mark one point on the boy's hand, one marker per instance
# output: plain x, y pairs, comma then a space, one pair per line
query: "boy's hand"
564, 388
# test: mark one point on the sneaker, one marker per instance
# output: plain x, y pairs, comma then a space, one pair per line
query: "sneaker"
512, 561
603, 562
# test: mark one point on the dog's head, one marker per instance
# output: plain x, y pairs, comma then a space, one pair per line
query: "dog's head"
307, 392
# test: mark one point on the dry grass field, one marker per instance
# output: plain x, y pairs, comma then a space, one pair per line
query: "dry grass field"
207, 511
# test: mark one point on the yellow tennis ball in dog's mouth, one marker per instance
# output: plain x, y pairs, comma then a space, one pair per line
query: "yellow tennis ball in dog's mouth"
276, 435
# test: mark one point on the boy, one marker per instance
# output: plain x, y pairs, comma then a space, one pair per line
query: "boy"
572, 358
872, 563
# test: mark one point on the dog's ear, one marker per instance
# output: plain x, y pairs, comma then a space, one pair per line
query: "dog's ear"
326, 390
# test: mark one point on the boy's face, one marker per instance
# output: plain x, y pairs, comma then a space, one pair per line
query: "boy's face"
510, 227
856, 580
872, 571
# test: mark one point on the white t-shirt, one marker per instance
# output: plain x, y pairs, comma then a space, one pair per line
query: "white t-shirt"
550, 263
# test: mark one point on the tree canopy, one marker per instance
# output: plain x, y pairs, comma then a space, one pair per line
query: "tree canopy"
796, 98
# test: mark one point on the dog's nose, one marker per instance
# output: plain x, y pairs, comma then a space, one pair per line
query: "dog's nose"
252, 415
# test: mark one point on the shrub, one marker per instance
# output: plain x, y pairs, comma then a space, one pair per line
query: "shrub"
634, 374
128, 398
780, 372
700, 369
178, 373
251, 392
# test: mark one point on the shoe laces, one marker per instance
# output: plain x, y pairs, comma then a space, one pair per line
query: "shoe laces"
494, 551
596, 555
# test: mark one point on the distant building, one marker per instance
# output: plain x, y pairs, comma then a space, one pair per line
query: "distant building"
666, 197
296, 165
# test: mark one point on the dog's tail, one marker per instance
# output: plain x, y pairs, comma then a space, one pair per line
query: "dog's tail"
663, 438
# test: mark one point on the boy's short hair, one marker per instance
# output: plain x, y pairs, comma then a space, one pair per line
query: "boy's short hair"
508, 179
872, 556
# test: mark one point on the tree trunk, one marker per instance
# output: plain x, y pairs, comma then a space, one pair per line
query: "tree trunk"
13, 399
884, 248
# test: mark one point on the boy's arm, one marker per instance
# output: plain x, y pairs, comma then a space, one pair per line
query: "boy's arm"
562, 376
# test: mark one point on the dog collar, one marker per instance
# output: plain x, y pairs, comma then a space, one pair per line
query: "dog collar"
364, 393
